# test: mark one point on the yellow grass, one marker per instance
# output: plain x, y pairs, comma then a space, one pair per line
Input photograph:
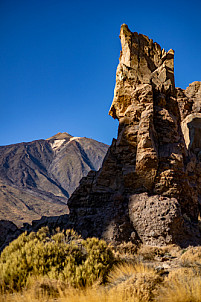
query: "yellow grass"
137, 281
182, 285
125, 271
128, 283
147, 252
192, 257
90, 295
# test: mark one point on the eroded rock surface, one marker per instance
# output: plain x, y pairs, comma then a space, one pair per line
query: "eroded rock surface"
149, 185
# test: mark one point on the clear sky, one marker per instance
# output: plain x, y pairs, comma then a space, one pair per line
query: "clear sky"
58, 61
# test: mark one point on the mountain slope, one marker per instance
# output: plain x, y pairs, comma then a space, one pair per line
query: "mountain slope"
37, 178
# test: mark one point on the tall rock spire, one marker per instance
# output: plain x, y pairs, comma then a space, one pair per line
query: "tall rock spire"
144, 189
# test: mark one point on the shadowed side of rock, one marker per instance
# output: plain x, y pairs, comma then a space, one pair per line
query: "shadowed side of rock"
9, 231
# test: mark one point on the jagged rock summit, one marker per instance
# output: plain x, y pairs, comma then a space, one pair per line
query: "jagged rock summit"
149, 186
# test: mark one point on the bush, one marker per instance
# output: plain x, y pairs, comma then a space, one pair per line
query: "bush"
61, 256
98, 261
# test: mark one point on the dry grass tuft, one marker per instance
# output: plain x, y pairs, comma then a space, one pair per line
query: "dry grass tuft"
191, 257
135, 280
73, 295
126, 251
149, 253
182, 285
126, 248
45, 287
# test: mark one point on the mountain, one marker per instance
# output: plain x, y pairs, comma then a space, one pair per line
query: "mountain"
37, 178
149, 186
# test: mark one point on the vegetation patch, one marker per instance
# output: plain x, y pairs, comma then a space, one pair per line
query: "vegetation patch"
137, 281
62, 267
181, 285
61, 256
191, 257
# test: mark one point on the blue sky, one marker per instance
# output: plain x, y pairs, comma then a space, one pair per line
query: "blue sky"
58, 61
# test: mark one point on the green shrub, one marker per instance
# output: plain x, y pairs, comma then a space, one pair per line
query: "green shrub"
98, 261
61, 256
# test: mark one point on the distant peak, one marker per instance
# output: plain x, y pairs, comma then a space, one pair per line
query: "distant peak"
60, 135
60, 140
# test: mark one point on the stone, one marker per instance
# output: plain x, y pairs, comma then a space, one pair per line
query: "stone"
148, 181
157, 219
8, 231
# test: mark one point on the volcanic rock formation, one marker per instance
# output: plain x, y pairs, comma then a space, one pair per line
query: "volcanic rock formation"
37, 178
149, 186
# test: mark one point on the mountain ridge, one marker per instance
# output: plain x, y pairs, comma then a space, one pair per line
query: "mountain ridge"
46, 171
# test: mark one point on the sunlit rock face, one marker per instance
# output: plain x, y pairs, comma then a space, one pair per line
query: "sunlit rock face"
191, 128
149, 185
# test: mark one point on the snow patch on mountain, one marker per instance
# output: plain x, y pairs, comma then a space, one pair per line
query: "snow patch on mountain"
57, 144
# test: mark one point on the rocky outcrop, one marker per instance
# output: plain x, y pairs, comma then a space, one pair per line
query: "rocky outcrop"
9, 231
37, 178
149, 186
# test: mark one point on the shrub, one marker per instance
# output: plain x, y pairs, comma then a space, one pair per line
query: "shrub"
98, 261
62, 256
